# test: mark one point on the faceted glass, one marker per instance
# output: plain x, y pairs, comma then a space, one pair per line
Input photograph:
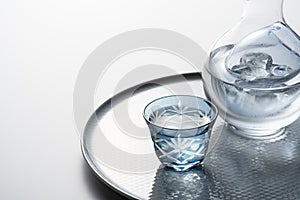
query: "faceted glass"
180, 127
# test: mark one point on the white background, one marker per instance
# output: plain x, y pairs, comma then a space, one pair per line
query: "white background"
42, 47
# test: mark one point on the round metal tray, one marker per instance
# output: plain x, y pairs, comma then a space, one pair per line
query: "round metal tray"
117, 146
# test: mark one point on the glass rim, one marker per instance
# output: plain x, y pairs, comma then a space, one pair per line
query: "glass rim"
213, 106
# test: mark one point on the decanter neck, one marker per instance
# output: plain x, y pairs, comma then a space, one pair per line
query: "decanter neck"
263, 11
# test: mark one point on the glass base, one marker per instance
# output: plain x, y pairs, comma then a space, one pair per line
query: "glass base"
181, 168
259, 134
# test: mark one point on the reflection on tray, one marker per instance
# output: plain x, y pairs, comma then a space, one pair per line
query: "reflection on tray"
170, 184
241, 168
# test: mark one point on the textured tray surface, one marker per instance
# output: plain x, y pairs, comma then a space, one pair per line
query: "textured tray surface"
241, 168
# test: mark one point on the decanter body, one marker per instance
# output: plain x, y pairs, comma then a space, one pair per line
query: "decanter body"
252, 74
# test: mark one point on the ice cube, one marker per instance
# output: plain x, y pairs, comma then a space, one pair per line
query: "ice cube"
241, 70
259, 72
253, 66
249, 72
257, 60
280, 70
271, 53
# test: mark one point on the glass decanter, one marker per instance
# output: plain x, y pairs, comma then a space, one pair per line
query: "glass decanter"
252, 74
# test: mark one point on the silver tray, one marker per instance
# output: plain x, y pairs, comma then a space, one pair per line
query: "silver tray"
117, 146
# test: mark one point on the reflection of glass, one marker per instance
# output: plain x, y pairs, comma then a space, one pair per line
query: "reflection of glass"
180, 127
242, 168
253, 72
170, 184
